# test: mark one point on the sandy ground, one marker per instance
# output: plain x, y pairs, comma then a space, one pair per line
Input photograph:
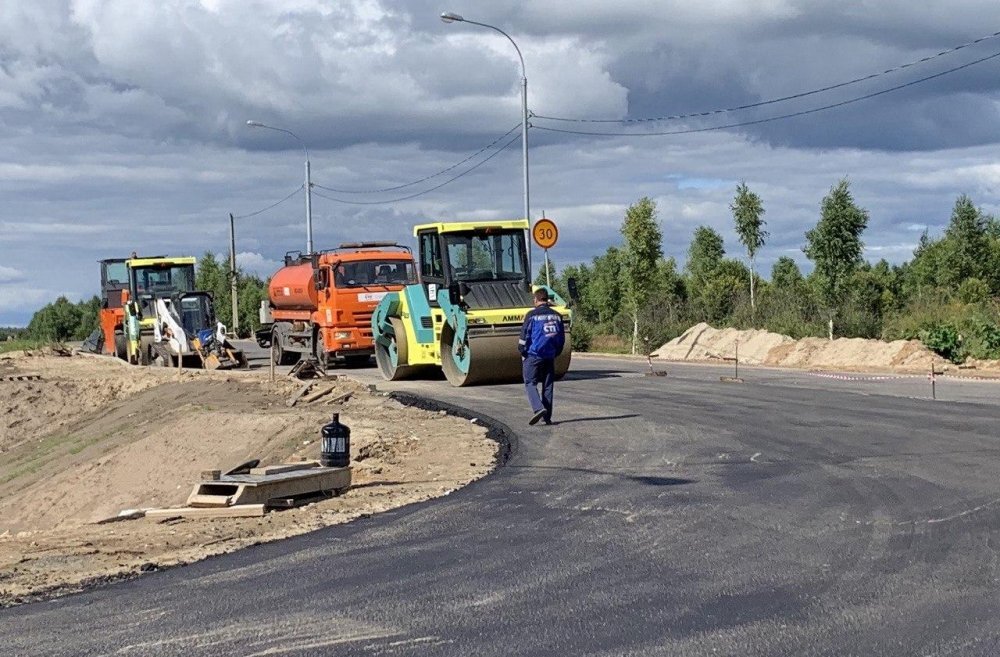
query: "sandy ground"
92, 437
702, 342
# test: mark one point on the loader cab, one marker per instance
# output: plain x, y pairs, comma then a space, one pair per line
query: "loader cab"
195, 310
114, 279
152, 278
485, 264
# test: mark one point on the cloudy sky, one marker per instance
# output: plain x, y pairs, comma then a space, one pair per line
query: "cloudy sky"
123, 122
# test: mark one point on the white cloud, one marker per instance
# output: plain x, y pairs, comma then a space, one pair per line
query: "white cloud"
255, 263
10, 275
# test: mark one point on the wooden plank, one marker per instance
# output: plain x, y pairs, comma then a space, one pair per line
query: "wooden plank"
322, 392
340, 399
295, 398
284, 467
240, 511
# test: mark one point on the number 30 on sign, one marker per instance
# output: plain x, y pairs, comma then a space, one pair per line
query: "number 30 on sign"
545, 233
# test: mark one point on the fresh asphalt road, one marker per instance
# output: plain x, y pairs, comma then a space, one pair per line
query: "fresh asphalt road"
676, 515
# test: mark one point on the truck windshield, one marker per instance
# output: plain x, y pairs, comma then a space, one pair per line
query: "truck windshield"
163, 279
484, 256
364, 273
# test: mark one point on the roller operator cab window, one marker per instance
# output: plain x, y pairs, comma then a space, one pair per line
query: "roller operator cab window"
486, 255
430, 256
364, 273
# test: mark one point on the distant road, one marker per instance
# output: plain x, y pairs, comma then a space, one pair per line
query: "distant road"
678, 515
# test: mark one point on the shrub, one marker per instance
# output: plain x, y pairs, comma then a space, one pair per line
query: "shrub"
581, 335
943, 340
973, 290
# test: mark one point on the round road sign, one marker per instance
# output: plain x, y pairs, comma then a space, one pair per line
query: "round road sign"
545, 233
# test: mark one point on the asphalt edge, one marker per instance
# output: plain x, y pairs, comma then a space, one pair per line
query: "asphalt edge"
496, 430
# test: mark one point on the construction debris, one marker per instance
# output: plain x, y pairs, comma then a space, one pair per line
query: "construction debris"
241, 511
286, 480
302, 391
322, 392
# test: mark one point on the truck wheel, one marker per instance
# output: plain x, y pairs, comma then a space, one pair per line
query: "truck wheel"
279, 355
121, 349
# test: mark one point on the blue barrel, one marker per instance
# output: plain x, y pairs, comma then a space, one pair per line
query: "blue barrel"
336, 448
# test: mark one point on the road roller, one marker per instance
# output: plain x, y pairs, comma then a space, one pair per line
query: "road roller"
465, 314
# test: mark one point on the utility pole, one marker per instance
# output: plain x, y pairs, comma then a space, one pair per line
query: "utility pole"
232, 274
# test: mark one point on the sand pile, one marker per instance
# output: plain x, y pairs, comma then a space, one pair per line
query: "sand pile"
702, 342
756, 347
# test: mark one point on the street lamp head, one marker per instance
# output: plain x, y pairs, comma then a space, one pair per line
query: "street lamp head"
450, 17
255, 124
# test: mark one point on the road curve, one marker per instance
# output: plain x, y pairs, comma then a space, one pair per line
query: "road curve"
671, 515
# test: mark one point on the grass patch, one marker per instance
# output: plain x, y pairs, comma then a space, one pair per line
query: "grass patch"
610, 344
8, 346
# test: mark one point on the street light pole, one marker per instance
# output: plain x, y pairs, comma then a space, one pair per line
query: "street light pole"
309, 219
450, 17
232, 274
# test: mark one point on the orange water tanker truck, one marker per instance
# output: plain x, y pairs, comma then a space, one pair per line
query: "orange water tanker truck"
321, 304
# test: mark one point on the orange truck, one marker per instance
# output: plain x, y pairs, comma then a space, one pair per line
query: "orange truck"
321, 304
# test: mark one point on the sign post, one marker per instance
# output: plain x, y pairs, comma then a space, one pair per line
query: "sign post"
545, 235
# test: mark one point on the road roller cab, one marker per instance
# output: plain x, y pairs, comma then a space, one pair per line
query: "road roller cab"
465, 314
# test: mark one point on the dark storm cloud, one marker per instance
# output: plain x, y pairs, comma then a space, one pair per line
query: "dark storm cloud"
124, 122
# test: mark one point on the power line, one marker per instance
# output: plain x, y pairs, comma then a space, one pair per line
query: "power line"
425, 178
782, 99
273, 205
773, 118
426, 191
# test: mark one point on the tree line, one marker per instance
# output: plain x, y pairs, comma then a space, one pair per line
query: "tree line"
64, 320
633, 298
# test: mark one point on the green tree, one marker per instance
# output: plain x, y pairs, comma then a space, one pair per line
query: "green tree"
89, 317
748, 211
250, 292
56, 321
604, 293
924, 270
704, 256
785, 274
835, 246
967, 254
643, 240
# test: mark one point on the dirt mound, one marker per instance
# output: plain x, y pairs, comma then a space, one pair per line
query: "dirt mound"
110, 437
756, 347
702, 342
40, 394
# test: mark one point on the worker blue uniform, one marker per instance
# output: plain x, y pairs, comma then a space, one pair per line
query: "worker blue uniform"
542, 339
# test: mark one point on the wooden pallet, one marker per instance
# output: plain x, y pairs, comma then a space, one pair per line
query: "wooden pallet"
270, 483
21, 377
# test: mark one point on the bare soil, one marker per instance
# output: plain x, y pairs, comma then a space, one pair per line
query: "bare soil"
92, 437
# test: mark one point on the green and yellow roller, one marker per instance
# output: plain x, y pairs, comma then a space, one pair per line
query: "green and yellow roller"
465, 314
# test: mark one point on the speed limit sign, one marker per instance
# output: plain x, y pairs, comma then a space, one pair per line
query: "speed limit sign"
545, 233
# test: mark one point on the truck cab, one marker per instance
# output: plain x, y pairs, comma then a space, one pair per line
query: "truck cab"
322, 303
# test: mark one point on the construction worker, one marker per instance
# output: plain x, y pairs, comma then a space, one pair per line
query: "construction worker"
542, 339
